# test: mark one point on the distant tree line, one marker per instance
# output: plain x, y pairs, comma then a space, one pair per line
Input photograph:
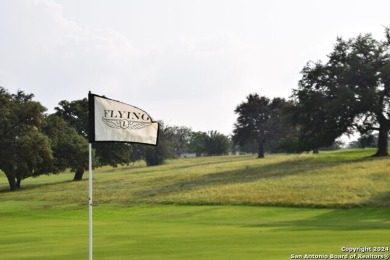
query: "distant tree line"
366, 141
349, 93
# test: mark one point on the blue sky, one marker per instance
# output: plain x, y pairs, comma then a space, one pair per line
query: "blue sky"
188, 63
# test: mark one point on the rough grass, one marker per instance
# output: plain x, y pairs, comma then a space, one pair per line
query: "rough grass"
342, 179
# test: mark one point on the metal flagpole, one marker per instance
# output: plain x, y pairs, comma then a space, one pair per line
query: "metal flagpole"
90, 200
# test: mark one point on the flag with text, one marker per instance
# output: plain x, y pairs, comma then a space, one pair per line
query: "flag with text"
114, 121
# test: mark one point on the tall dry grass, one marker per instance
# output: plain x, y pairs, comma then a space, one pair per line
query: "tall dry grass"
331, 179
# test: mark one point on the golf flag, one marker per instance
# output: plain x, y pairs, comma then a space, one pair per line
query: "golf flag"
114, 121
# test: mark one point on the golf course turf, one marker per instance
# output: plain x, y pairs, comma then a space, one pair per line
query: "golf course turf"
282, 207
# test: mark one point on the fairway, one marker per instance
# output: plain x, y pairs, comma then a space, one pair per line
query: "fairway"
228, 207
42, 231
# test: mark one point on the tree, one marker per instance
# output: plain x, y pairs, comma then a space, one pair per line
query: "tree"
217, 143
284, 134
23, 147
349, 92
259, 120
198, 142
70, 150
75, 113
179, 137
367, 140
211, 143
156, 155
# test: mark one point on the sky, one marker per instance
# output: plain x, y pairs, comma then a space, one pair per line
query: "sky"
186, 62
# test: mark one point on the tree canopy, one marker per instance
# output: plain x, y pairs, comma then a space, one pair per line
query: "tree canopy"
259, 120
23, 147
70, 150
351, 91
216, 143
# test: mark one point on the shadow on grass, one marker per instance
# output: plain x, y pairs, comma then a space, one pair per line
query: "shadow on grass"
379, 200
190, 164
32, 186
248, 174
338, 219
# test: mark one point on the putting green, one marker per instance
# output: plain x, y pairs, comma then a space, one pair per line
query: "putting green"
39, 230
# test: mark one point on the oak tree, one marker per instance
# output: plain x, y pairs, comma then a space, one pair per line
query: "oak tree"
351, 91
259, 120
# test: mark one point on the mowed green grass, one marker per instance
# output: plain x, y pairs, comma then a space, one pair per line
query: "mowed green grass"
230, 207
45, 231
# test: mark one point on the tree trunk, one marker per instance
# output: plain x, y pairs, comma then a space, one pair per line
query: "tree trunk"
78, 176
11, 181
382, 141
260, 153
19, 177
18, 181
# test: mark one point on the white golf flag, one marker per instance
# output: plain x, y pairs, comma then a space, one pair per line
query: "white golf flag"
111, 120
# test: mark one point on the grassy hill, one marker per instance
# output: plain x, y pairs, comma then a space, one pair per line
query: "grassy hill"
341, 179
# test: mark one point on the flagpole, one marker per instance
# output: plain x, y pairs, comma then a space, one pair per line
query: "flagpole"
90, 200
103, 117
